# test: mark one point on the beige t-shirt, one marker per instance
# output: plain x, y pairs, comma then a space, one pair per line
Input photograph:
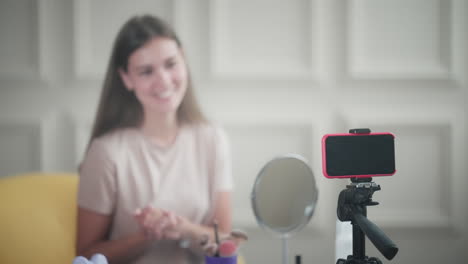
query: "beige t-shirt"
124, 170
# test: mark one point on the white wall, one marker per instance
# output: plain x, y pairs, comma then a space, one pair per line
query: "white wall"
278, 75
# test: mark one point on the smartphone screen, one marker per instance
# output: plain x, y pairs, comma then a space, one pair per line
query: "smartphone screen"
358, 155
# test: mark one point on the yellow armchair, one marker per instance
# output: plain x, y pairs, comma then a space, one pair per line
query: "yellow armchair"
38, 218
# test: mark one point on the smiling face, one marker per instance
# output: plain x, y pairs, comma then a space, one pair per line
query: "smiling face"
157, 74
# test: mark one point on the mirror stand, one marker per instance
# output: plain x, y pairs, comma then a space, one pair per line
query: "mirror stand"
284, 197
284, 242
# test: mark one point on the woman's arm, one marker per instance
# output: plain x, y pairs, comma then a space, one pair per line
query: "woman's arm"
223, 211
92, 237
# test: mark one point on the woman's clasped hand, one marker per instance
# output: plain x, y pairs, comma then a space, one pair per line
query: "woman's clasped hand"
160, 224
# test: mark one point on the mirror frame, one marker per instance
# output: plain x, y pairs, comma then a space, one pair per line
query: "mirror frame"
284, 231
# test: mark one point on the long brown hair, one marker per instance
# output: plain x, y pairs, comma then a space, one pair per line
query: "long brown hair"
119, 107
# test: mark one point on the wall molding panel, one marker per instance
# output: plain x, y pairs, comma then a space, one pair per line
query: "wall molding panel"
20, 52
241, 44
20, 145
415, 49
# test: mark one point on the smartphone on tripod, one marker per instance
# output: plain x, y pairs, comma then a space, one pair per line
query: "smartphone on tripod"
358, 154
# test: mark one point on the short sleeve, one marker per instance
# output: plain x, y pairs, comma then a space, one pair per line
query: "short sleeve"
97, 184
223, 162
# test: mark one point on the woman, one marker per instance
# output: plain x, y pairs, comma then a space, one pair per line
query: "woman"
156, 173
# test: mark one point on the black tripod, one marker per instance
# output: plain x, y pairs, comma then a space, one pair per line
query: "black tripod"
352, 204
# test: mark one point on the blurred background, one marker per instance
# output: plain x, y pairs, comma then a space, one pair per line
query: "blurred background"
277, 75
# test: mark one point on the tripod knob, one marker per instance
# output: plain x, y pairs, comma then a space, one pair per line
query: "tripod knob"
344, 210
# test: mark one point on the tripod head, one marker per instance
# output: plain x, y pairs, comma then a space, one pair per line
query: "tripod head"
355, 198
352, 206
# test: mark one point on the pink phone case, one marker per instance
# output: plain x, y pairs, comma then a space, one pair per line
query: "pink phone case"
324, 161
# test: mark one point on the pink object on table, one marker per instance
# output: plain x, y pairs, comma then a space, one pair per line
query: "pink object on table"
227, 248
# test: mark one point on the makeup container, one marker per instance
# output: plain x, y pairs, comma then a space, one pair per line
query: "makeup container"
221, 260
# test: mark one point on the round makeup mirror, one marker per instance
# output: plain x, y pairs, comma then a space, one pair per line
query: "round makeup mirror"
284, 196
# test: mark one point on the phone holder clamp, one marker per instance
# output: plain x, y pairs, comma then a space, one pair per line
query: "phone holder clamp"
352, 206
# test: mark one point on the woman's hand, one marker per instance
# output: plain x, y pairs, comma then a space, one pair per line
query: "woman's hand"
160, 224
